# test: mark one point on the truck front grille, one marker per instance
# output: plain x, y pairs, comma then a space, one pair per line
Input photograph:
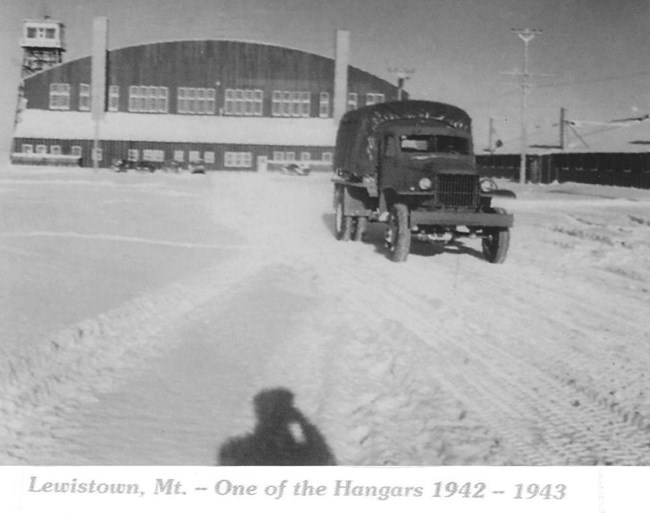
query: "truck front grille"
457, 190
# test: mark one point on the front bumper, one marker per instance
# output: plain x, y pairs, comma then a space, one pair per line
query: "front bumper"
443, 218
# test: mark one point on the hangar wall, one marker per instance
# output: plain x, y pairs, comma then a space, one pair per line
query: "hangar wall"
230, 101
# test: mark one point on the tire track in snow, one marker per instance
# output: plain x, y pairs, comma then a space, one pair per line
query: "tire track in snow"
593, 364
565, 434
86, 358
122, 238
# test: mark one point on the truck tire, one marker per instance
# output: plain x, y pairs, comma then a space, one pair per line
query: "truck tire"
342, 223
360, 228
496, 242
399, 243
495, 245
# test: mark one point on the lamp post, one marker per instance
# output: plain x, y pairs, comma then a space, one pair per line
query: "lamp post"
526, 35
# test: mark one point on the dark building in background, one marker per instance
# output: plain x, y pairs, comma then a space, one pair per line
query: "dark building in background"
229, 104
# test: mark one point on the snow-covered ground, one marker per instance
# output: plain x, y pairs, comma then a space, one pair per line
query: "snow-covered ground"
139, 315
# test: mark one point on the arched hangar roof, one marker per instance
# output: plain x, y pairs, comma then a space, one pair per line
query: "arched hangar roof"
205, 60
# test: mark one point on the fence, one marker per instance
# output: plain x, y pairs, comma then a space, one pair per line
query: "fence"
622, 169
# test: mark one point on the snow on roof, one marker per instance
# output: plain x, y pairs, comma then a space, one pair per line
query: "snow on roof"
123, 126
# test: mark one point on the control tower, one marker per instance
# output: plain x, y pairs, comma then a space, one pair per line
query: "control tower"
42, 44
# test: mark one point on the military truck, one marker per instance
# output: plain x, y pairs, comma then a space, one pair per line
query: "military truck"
410, 164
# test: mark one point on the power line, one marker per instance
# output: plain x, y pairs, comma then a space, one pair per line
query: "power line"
594, 80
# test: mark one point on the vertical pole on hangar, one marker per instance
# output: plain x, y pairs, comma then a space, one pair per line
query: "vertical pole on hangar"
342, 60
98, 80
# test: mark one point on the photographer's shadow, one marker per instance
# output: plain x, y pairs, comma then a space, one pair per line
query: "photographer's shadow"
282, 436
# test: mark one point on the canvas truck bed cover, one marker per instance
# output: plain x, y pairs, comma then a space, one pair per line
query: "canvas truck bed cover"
355, 141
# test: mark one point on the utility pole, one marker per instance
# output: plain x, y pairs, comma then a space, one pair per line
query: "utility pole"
490, 134
526, 35
402, 76
562, 128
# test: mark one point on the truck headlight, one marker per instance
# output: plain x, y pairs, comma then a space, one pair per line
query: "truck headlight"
425, 183
488, 185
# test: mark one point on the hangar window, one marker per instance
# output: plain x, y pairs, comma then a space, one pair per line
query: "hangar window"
276, 103
27, 148
295, 104
55, 149
200, 102
239, 102
148, 99
305, 155
210, 101
113, 98
257, 105
249, 102
196, 100
60, 96
278, 155
97, 154
353, 101
84, 97
179, 155
208, 156
41, 148
134, 98
286, 103
194, 156
374, 98
290, 156
237, 159
153, 155
76, 151
151, 101
305, 100
324, 109
243, 102
327, 156
133, 155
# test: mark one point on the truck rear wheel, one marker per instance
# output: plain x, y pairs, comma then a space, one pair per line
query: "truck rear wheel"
399, 233
342, 223
495, 245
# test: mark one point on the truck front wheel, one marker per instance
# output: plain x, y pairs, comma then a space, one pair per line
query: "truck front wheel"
495, 245
399, 233
342, 223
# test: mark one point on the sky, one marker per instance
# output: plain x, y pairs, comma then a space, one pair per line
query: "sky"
592, 55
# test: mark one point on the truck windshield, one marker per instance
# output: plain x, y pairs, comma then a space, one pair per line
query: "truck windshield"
433, 144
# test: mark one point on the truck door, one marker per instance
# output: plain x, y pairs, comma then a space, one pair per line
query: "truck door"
388, 153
